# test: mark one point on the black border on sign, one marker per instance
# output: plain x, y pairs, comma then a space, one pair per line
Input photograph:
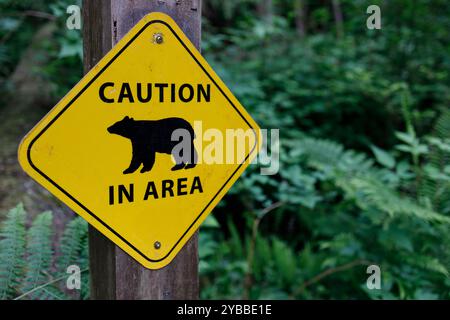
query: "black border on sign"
81, 92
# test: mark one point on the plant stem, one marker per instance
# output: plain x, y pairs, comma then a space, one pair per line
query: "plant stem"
47, 284
248, 281
329, 272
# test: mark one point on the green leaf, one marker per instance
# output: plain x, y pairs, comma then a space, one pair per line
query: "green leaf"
383, 157
406, 137
210, 222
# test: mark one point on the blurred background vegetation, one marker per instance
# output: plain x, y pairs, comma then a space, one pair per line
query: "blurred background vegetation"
365, 141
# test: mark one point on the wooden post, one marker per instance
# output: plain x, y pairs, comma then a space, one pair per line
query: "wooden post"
114, 274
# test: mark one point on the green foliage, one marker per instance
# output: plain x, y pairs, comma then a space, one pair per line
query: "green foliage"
74, 251
364, 155
364, 174
12, 250
435, 188
19, 22
73, 243
27, 259
365, 216
40, 255
383, 157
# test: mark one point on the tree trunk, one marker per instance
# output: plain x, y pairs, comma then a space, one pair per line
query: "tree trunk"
300, 17
265, 11
338, 18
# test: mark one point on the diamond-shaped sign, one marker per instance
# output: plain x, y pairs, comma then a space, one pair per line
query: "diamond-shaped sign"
146, 144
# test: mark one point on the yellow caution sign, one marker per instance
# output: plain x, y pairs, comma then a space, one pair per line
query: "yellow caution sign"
146, 144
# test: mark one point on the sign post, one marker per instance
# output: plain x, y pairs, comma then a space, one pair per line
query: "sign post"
114, 274
143, 147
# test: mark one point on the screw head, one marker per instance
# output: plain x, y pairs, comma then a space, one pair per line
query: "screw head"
158, 38
157, 245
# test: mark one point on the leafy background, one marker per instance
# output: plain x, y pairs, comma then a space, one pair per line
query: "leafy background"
364, 174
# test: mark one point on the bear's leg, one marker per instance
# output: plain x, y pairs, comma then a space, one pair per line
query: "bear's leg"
178, 166
149, 161
179, 161
134, 165
136, 160
194, 158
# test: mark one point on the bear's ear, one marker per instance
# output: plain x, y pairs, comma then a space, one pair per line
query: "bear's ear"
132, 119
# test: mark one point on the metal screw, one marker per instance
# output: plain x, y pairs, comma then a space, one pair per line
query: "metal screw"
157, 245
194, 6
158, 37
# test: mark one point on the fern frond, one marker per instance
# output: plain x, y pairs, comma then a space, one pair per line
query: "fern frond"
376, 194
359, 178
39, 259
84, 264
74, 245
263, 254
85, 287
438, 191
74, 251
328, 155
52, 293
428, 263
284, 261
12, 251
322, 154
442, 127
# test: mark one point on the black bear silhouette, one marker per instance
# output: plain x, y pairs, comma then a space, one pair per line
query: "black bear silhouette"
151, 136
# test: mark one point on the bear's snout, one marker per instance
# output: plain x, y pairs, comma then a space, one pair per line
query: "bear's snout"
112, 129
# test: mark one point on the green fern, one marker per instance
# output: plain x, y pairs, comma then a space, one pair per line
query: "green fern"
39, 259
358, 177
328, 156
27, 269
73, 242
428, 263
376, 194
436, 190
322, 154
263, 255
285, 261
12, 252
236, 246
74, 250
84, 264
